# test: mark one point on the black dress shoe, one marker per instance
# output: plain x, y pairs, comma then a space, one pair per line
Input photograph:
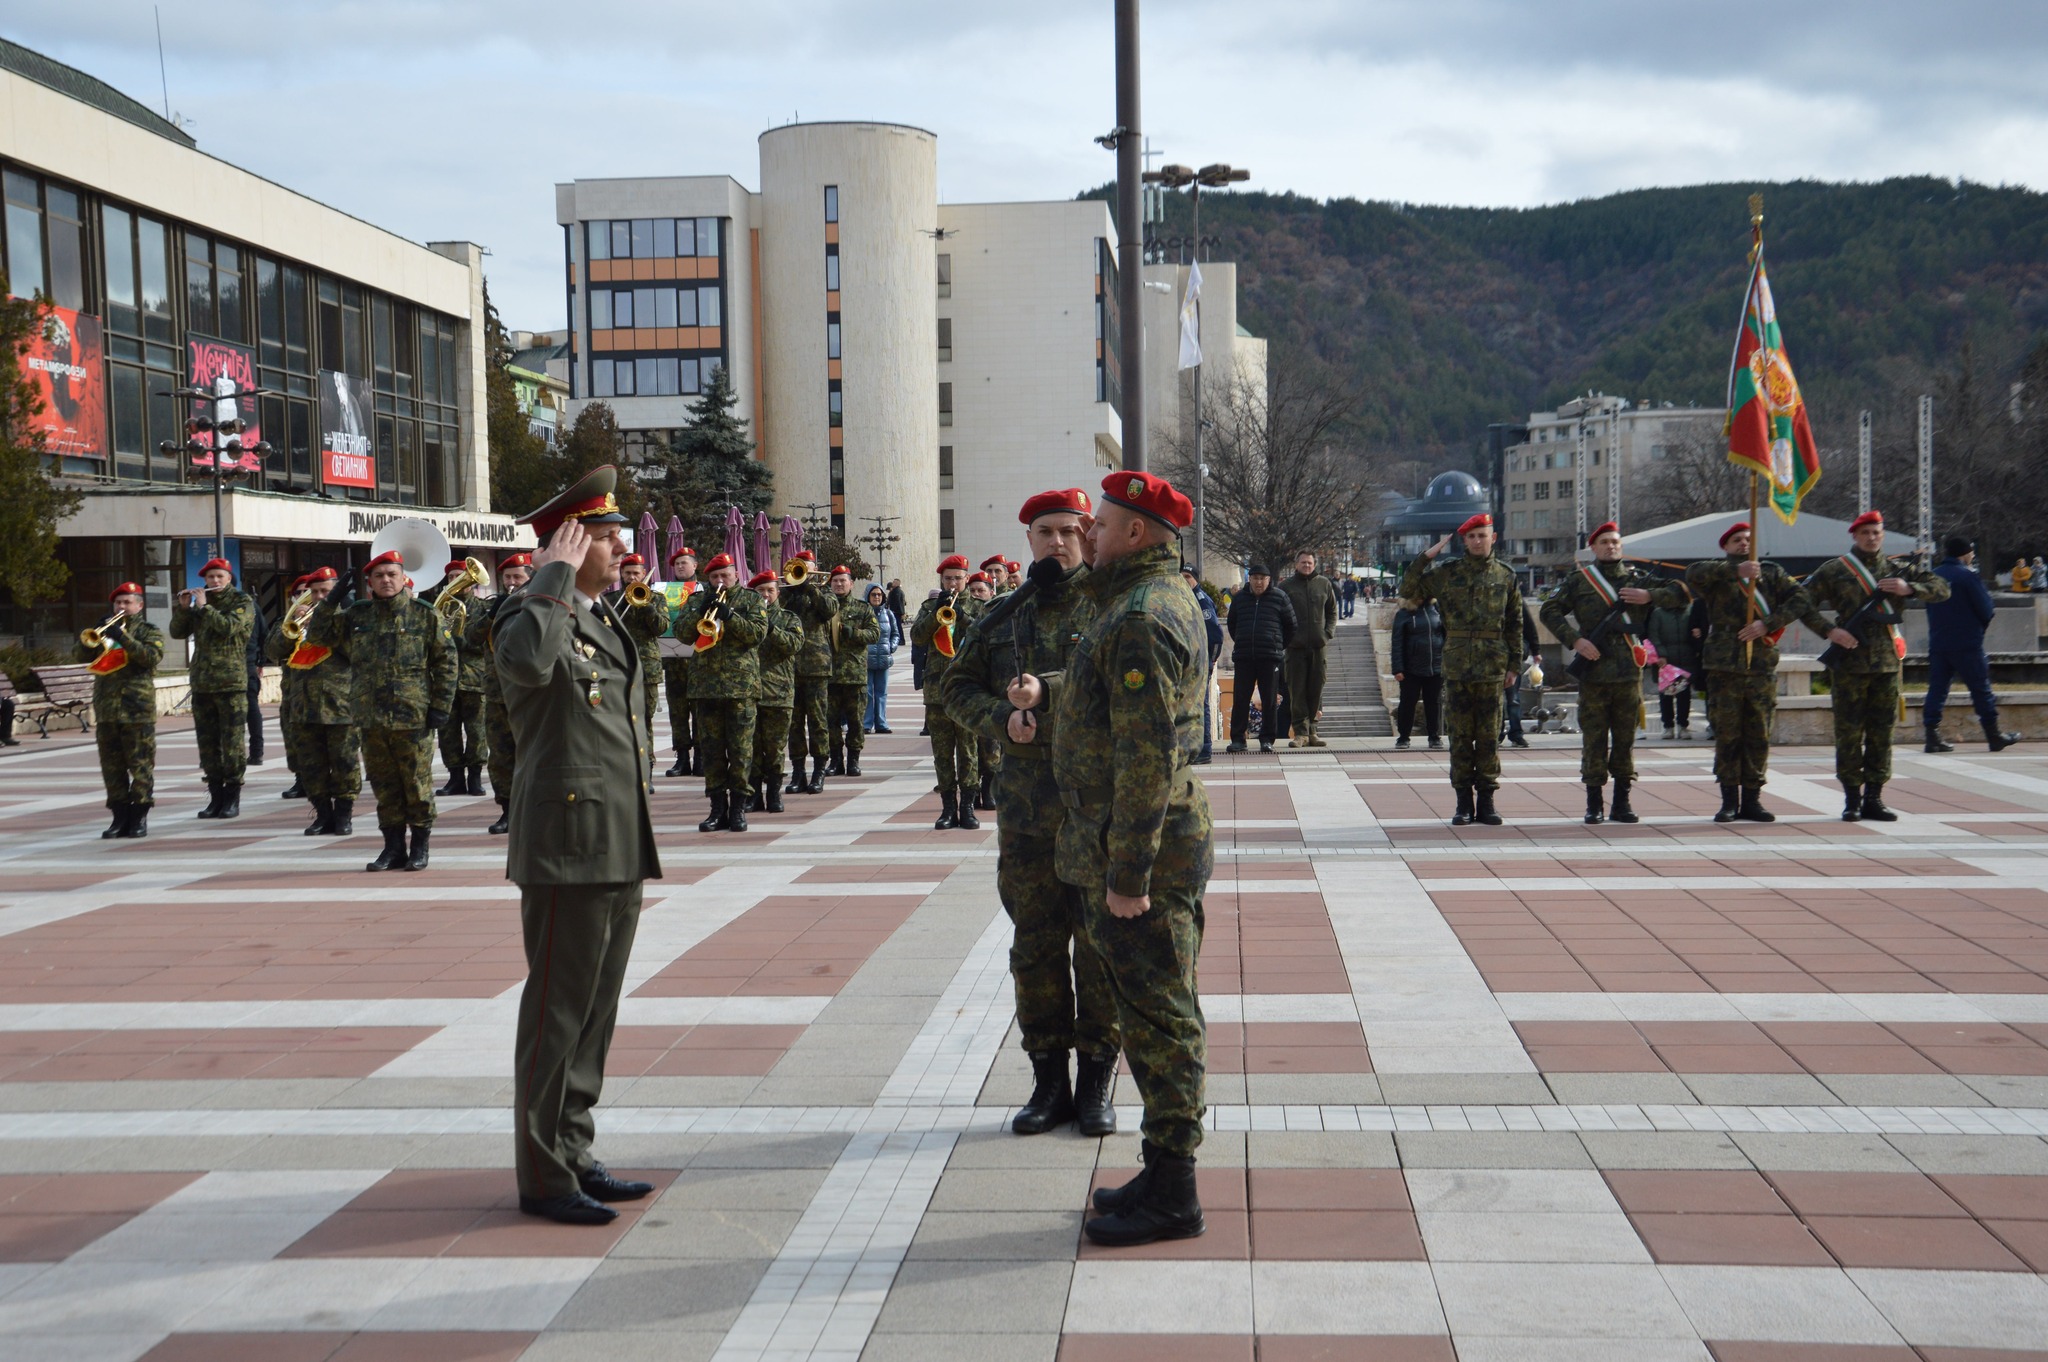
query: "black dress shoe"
574, 1209
599, 1185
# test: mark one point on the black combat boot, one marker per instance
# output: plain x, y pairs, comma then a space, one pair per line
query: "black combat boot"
343, 824
1093, 1113
476, 779
1110, 1200
323, 816
1622, 811
817, 785
230, 802
1753, 810
138, 821
1167, 1208
1483, 807
1464, 813
1731, 797
416, 859
1999, 741
295, 790
392, 857
985, 797
837, 765
966, 803
774, 795
949, 810
735, 811
757, 802
1052, 1096
213, 798
682, 766
119, 827
504, 823
1852, 804
853, 761
1873, 806
457, 784
718, 819
1937, 743
1594, 812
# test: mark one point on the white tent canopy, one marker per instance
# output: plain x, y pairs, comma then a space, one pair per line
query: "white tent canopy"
1687, 541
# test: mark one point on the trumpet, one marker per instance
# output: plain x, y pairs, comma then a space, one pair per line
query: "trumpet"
295, 615
637, 594
449, 603
710, 628
796, 572
96, 637
947, 613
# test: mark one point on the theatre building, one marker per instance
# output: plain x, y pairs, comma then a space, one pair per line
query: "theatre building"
164, 268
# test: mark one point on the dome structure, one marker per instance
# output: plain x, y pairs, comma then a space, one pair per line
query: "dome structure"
1455, 485
1447, 502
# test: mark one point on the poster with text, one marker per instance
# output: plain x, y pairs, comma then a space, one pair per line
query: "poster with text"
210, 361
66, 363
345, 454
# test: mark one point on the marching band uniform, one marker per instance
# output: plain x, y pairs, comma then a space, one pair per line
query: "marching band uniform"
317, 721
723, 680
774, 698
497, 726
124, 715
220, 687
954, 750
464, 745
675, 670
809, 733
851, 633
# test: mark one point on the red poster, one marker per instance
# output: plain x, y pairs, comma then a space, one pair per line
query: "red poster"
213, 360
67, 365
345, 455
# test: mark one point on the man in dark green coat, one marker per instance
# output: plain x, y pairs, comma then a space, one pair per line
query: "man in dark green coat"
724, 677
955, 751
514, 571
582, 843
219, 618
810, 724
1483, 616
316, 717
124, 710
1314, 599
852, 630
775, 696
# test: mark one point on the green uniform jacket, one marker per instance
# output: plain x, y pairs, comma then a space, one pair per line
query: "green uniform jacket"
1126, 730
319, 694
1833, 584
400, 662
1716, 583
645, 623
780, 644
816, 607
472, 665
927, 624
579, 804
1482, 610
731, 669
128, 696
1315, 610
1038, 637
1574, 607
476, 638
857, 628
220, 661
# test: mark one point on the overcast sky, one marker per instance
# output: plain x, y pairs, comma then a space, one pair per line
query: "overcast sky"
452, 118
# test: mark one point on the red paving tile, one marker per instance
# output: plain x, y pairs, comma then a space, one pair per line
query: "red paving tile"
2010, 1196
1327, 1189
310, 1052
1759, 1240
679, 1051
1347, 1235
1701, 1191
461, 1214
45, 1218
788, 944
1156, 1348
1859, 1194
1910, 1241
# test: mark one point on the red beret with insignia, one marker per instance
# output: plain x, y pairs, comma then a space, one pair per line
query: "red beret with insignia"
804, 556
125, 589
840, 570
1477, 522
684, 552
723, 560
322, 574
212, 563
1608, 528
632, 560
953, 560
995, 561
760, 579
1739, 527
392, 556
524, 560
1150, 496
1867, 518
978, 577
1072, 500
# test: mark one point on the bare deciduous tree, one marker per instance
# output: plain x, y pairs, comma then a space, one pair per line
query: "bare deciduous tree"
1694, 478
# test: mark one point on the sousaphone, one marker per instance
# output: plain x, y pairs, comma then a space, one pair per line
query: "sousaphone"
419, 543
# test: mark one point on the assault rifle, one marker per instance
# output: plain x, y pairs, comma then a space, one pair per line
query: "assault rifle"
1578, 664
1876, 609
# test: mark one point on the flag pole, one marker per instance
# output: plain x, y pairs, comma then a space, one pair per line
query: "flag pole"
1756, 255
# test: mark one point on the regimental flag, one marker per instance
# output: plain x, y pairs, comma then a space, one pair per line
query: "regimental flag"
1191, 319
1768, 432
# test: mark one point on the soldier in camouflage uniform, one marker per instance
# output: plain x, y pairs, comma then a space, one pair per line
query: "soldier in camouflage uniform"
646, 623
124, 710
1611, 692
1741, 662
1137, 840
810, 724
1482, 610
403, 669
723, 680
675, 664
851, 633
320, 741
988, 751
464, 744
219, 618
513, 573
775, 698
1063, 1005
1866, 677
954, 750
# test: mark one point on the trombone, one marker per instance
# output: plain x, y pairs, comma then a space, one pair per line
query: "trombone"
796, 572
637, 594
449, 603
296, 614
710, 628
96, 637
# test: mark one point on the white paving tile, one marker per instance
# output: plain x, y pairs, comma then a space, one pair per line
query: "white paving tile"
117, 1297
1511, 1191
313, 1293
484, 1293
1559, 1300
1108, 1296
1526, 1237
1345, 1298
1959, 1309
1778, 1304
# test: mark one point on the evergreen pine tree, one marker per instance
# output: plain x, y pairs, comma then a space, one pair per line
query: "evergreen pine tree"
706, 468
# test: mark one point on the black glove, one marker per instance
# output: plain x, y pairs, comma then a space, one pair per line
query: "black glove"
344, 591
437, 719
115, 635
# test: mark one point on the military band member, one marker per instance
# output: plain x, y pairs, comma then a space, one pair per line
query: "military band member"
988, 753
219, 618
1013, 576
290, 688
402, 673
955, 751
124, 709
463, 741
993, 570
723, 678
1483, 617
1741, 663
675, 664
775, 697
582, 843
852, 631
1865, 691
646, 623
317, 717
810, 724
1611, 692
1064, 1001
514, 571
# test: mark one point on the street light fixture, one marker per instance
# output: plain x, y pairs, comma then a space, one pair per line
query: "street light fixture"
881, 539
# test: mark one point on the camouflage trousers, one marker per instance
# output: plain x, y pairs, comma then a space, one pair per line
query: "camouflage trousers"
988, 753
1741, 706
956, 753
771, 731
127, 762
327, 759
1063, 1003
1473, 710
220, 720
725, 738
1150, 960
653, 681
678, 681
1866, 709
504, 748
847, 705
809, 727
462, 737
1609, 712
400, 764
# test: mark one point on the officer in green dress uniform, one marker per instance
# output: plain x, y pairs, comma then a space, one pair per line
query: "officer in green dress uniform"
775, 696
582, 842
675, 662
810, 724
646, 622
955, 751
1482, 610
219, 618
316, 717
724, 676
514, 571
851, 631
123, 662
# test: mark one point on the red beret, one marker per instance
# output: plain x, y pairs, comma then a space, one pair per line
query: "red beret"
321, 574
125, 589
1739, 527
997, 561
1072, 500
723, 560
978, 577
1011, 565
456, 566
633, 560
1150, 496
1608, 528
840, 570
388, 556
684, 552
298, 584
953, 560
805, 555
1478, 522
210, 564
524, 560
761, 579
1867, 518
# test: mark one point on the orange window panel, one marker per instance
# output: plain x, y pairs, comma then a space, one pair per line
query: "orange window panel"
839, 505
831, 300
832, 369
600, 271
572, 274
707, 337
644, 338
831, 234
665, 269
669, 338
687, 338
836, 436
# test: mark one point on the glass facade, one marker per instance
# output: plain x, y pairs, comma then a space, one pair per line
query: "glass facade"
653, 304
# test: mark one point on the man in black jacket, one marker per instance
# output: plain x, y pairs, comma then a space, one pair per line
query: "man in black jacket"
1261, 625
1417, 655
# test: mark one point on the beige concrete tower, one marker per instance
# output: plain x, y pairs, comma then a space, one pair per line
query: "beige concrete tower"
867, 194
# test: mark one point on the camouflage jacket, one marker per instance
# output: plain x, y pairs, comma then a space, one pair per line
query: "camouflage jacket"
1038, 637
854, 630
1836, 585
221, 629
1127, 726
731, 668
645, 623
1482, 610
926, 626
401, 664
476, 642
318, 694
1781, 600
816, 608
472, 665
127, 696
780, 644
1575, 607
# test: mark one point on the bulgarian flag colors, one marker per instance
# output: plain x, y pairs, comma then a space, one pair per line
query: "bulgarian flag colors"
1768, 432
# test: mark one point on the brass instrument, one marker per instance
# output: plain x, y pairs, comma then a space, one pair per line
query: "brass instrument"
96, 637
449, 603
295, 615
638, 594
710, 629
796, 572
948, 614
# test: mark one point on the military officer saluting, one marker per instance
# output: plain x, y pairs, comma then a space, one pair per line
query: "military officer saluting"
675, 661
582, 842
123, 654
942, 621
1869, 647
219, 619
1482, 610
646, 622
1611, 689
513, 573
852, 631
729, 621
317, 715
775, 694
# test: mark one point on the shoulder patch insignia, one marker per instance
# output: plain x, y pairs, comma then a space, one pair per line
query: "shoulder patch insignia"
1134, 680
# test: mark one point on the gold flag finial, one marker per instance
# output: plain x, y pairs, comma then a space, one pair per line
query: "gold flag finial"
1756, 210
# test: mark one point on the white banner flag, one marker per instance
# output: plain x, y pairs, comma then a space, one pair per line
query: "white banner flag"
1191, 320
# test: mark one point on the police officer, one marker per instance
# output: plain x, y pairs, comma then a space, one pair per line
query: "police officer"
1483, 621
855, 628
317, 717
582, 842
1064, 1005
646, 623
220, 619
775, 696
1741, 662
124, 710
723, 678
954, 751
675, 662
514, 570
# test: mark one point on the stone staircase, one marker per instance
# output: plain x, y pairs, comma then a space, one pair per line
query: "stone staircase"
1352, 704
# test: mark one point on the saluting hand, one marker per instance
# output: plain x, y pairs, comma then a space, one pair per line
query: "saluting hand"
570, 544
1438, 547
